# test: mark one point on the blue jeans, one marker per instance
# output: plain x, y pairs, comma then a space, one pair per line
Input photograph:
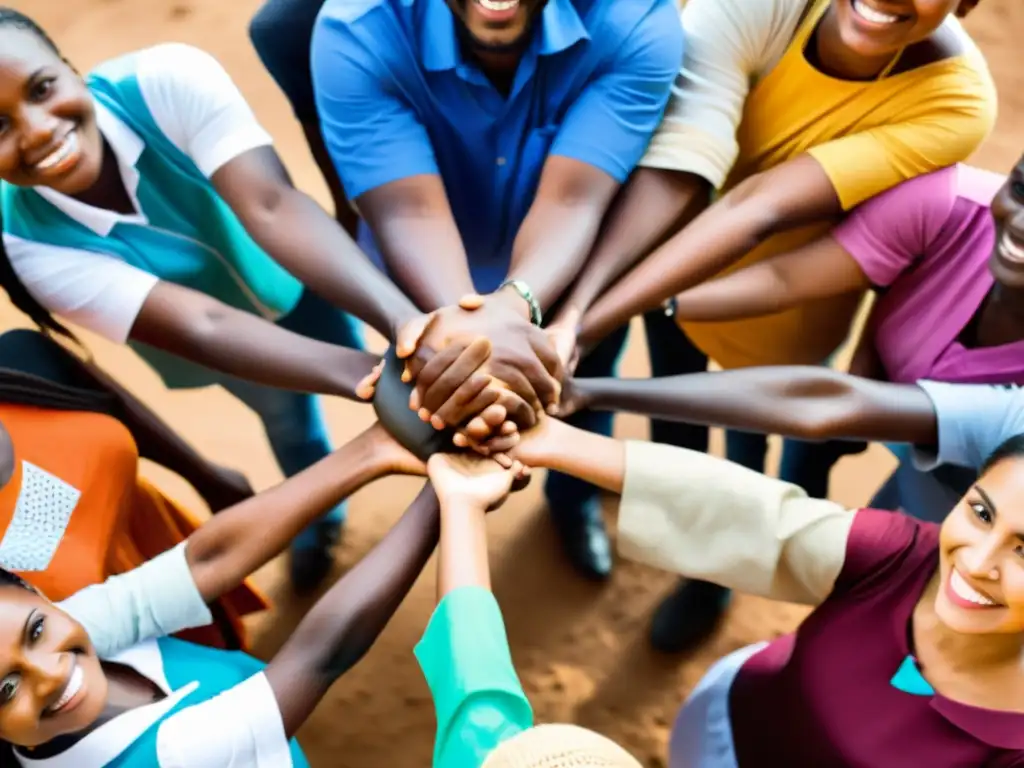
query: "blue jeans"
281, 32
928, 496
672, 354
293, 421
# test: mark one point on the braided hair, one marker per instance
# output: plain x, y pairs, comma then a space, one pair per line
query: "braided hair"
19, 295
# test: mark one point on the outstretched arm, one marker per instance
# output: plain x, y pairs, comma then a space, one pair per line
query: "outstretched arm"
807, 402
346, 621
239, 540
704, 517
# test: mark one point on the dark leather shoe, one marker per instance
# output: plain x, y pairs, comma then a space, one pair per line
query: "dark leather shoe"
688, 616
311, 561
584, 538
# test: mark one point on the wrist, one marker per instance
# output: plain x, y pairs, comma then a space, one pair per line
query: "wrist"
519, 296
461, 505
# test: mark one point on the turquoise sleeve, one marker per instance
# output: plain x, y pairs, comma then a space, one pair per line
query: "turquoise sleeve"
478, 699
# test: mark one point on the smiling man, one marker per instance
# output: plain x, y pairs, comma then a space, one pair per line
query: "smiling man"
481, 142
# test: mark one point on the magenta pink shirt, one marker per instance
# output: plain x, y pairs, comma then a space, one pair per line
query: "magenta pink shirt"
925, 245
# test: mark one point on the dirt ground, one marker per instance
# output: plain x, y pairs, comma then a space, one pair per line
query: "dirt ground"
580, 649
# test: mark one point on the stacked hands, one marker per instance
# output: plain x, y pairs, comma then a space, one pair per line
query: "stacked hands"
479, 370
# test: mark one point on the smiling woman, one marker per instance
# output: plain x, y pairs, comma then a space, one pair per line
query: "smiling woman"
920, 622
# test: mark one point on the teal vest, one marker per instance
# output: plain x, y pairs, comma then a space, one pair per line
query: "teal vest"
216, 671
193, 238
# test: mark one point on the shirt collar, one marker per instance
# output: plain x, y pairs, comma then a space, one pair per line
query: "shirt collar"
127, 147
560, 28
103, 745
997, 728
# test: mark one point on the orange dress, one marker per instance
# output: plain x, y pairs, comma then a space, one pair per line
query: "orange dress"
75, 511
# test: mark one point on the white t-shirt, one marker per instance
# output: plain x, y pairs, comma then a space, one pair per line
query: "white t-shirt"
123, 616
198, 107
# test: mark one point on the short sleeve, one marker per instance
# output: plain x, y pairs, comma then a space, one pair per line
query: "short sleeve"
197, 105
611, 123
478, 699
100, 293
372, 134
728, 44
154, 600
973, 419
941, 122
240, 727
882, 543
888, 233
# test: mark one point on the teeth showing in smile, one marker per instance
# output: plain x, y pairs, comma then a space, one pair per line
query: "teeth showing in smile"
67, 148
866, 12
498, 5
965, 591
74, 686
1011, 249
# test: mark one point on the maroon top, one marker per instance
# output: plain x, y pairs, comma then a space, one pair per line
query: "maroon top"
823, 697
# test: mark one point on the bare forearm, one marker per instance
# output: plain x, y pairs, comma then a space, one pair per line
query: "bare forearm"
652, 205
425, 255
463, 559
552, 246
807, 402
241, 539
346, 621
313, 247
246, 346
793, 194
597, 459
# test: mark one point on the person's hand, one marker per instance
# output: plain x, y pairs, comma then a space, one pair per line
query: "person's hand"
563, 334
575, 397
225, 488
489, 424
522, 356
389, 456
480, 482
537, 447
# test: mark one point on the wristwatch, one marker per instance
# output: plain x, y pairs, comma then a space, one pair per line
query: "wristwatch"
524, 290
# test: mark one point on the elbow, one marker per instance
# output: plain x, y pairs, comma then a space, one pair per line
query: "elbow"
826, 406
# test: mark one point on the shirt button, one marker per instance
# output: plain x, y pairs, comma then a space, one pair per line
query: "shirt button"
501, 161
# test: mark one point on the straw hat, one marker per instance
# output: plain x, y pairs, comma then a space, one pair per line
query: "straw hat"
560, 746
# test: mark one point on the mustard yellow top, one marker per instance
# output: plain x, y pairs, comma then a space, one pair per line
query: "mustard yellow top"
745, 102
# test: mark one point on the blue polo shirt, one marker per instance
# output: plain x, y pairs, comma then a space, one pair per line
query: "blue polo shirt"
397, 98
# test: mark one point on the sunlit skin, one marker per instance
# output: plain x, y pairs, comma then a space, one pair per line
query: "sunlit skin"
982, 540
908, 22
43, 104
1007, 262
40, 646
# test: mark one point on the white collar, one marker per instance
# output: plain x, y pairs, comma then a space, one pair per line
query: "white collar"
112, 738
127, 147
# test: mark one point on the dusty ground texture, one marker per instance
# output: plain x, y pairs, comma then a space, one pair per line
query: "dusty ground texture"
579, 648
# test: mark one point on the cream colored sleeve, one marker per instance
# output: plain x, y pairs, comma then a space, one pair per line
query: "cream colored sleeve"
728, 45
707, 518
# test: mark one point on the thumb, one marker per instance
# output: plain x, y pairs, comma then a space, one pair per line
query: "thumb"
410, 334
471, 301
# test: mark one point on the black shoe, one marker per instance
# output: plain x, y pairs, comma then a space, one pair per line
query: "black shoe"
584, 538
312, 561
688, 616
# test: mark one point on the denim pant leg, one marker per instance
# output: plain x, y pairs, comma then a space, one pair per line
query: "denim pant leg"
293, 421
927, 496
672, 354
281, 32
809, 465
566, 494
